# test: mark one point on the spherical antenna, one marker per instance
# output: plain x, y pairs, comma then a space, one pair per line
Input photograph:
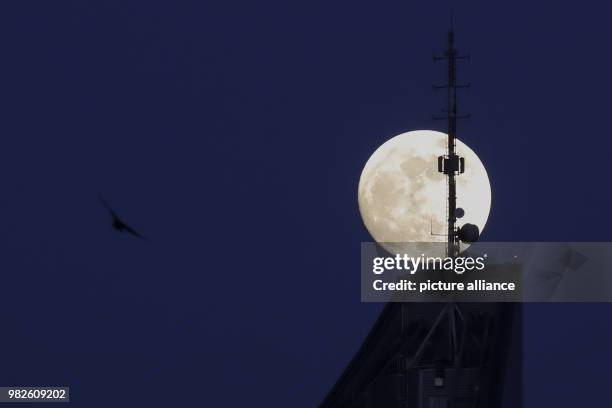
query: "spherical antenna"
469, 233
459, 212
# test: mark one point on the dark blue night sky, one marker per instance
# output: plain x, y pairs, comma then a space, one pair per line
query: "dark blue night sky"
232, 135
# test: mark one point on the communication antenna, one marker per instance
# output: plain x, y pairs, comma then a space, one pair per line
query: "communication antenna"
451, 164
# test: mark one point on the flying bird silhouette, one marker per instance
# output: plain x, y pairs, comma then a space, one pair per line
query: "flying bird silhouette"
118, 223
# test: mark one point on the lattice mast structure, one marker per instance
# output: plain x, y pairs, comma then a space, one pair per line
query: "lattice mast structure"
451, 164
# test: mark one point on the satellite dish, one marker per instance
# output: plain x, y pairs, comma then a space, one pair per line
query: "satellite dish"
459, 212
469, 233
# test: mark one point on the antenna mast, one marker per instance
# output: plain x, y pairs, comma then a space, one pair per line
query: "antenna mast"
451, 164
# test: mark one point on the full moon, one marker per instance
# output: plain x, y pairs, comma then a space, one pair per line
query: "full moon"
402, 196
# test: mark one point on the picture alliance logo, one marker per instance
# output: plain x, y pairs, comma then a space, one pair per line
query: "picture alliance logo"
412, 264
